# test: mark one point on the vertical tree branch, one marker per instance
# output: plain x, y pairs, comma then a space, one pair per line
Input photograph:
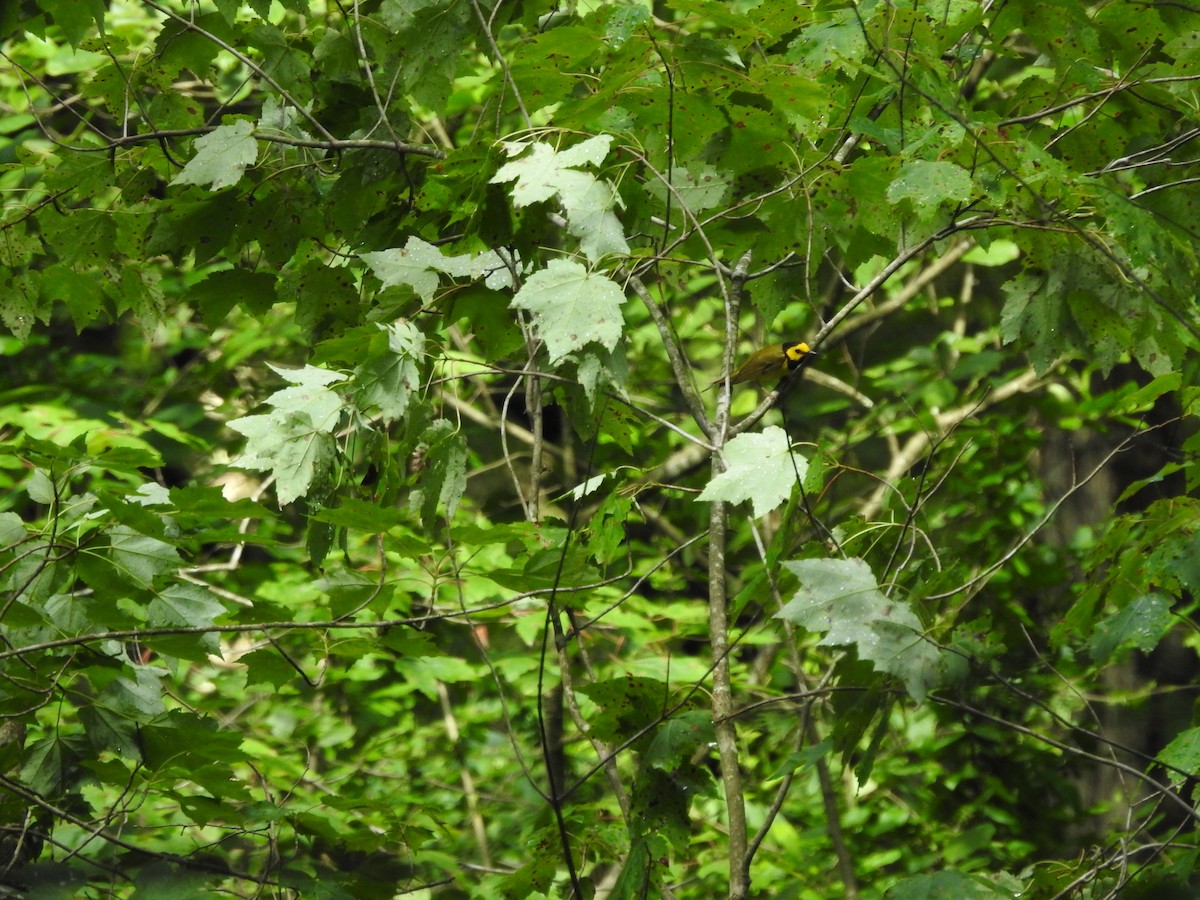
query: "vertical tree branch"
722, 703
470, 793
604, 753
718, 617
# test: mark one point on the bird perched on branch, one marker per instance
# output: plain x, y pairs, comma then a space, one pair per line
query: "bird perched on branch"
772, 363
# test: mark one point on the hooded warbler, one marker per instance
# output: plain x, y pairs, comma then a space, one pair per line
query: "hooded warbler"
772, 363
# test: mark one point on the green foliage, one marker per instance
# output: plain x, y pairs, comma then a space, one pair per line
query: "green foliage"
348, 539
221, 157
840, 599
762, 469
571, 308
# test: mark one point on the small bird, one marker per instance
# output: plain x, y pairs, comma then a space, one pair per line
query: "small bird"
772, 363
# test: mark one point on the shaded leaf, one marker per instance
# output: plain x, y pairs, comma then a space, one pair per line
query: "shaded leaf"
1141, 625
386, 381
222, 156
840, 599
144, 560
950, 885
183, 604
1183, 752
929, 185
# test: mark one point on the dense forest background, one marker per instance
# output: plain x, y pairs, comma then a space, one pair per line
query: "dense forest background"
372, 524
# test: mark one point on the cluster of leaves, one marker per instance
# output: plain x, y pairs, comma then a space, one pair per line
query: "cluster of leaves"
354, 536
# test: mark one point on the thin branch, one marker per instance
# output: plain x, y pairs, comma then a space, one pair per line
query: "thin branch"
975, 583
722, 703
603, 752
36, 799
370, 73
897, 301
1049, 207
679, 364
914, 449
331, 144
1163, 187
464, 773
485, 25
244, 60
847, 308
82, 640
1161, 789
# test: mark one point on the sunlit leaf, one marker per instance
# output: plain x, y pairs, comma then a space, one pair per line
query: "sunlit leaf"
760, 467
588, 201
572, 307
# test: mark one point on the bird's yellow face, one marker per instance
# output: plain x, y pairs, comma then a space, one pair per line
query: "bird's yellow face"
796, 354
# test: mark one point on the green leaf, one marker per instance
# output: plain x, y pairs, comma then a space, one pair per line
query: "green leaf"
12, 530
587, 200
534, 876
221, 291
639, 874
182, 48
606, 528
107, 729
222, 156
627, 705
444, 477
950, 885
698, 187
291, 446
40, 488
142, 560
165, 879
295, 442
80, 292
430, 36
185, 227
83, 239
19, 305
202, 503
197, 744
624, 22
930, 185
139, 698
386, 381
1033, 318
51, 764
678, 739
1141, 625
659, 814
326, 297
419, 263
840, 599
1183, 752
183, 604
266, 666
572, 307
362, 516
760, 468
75, 17
409, 642
1105, 329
